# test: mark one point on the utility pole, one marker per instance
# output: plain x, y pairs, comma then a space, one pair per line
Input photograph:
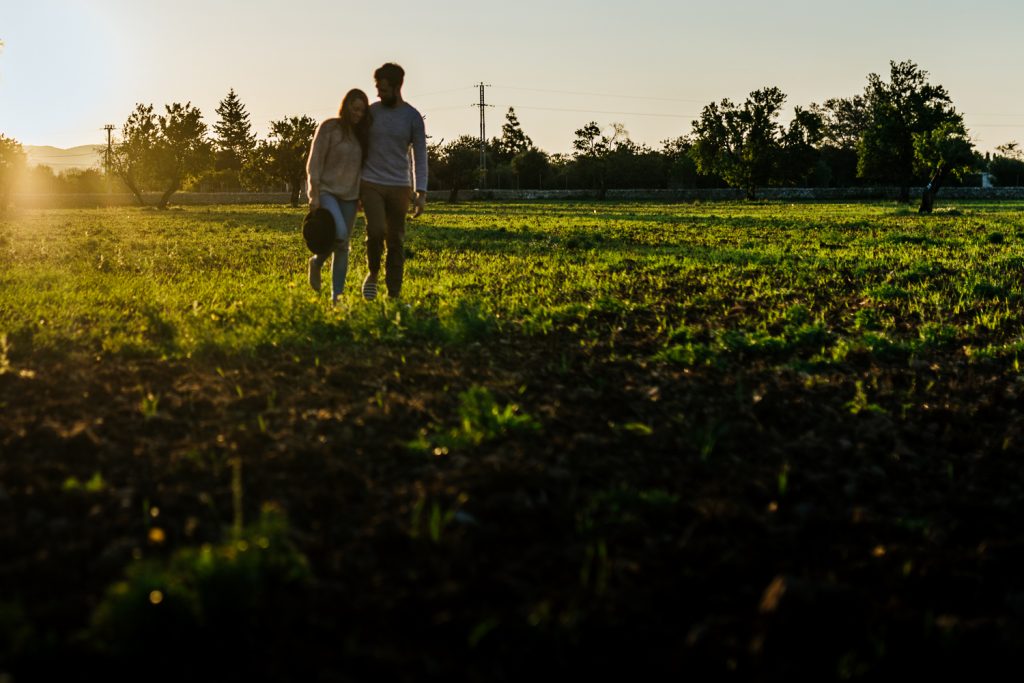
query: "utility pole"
106, 164
483, 134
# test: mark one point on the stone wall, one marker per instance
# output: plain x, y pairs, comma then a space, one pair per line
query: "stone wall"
732, 194
76, 201
36, 201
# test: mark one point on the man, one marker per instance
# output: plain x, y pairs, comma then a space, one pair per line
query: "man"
389, 177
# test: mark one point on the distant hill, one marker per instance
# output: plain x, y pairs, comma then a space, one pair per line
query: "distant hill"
83, 156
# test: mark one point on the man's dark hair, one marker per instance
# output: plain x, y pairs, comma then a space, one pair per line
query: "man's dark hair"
392, 73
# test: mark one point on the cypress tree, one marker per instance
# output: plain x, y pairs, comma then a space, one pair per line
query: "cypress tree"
513, 139
233, 133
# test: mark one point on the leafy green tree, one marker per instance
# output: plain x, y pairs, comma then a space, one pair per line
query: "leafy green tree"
563, 171
741, 144
282, 157
800, 153
680, 168
1011, 150
233, 136
434, 153
456, 164
609, 159
161, 152
12, 164
84, 181
183, 150
946, 150
499, 166
633, 166
133, 160
41, 179
900, 108
531, 167
255, 175
1007, 165
592, 154
74, 180
844, 121
501, 151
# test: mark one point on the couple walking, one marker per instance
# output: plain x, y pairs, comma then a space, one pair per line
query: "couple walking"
363, 155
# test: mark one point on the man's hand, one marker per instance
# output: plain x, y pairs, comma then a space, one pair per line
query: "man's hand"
314, 202
419, 204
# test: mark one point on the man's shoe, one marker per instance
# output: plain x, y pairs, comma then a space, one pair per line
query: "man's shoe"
369, 288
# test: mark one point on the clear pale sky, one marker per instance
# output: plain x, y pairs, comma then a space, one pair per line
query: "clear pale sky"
70, 66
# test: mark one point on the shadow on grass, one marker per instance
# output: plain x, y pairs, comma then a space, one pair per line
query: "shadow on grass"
580, 243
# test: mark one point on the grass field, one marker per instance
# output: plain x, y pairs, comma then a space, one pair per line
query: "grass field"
750, 440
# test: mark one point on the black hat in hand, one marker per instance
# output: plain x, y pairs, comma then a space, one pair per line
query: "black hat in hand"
318, 231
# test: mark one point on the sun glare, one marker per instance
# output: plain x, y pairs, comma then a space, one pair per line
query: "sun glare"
57, 67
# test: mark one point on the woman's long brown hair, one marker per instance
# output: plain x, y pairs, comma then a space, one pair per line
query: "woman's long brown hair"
362, 129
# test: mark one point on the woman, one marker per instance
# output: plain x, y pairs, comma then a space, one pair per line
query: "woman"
334, 167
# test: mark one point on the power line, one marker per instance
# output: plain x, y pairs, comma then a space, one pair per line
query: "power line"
566, 92
599, 94
622, 113
439, 92
456, 106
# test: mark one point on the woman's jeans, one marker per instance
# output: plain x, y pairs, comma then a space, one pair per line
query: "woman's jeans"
344, 213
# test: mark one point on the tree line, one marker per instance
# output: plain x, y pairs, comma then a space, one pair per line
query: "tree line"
173, 150
898, 132
901, 131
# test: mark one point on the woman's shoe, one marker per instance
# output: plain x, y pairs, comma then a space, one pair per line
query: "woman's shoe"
314, 273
